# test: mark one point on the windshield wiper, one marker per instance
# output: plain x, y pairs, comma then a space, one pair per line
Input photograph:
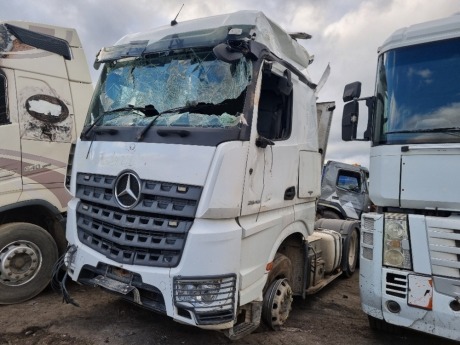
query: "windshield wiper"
427, 130
85, 133
144, 130
148, 110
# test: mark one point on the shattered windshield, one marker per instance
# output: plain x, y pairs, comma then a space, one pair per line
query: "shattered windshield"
418, 94
191, 88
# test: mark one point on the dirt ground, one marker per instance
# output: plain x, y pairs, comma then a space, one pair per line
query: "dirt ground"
332, 316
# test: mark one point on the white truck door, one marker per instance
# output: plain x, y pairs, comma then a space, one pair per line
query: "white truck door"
272, 175
46, 129
10, 148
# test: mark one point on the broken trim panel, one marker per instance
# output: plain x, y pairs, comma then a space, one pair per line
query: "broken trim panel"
41, 41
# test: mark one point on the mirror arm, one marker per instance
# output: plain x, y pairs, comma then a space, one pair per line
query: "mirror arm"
263, 142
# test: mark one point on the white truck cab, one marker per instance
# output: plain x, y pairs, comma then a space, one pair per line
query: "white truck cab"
196, 177
45, 89
410, 247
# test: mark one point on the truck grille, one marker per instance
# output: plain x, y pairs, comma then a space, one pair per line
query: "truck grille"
152, 233
444, 244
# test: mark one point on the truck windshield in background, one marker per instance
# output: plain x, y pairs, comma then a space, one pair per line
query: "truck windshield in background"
189, 88
418, 94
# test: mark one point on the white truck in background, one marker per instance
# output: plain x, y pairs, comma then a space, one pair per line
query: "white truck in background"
45, 88
196, 177
410, 247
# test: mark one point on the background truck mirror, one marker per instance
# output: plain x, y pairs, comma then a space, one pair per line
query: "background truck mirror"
350, 120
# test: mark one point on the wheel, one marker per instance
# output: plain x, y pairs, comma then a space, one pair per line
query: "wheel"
277, 304
383, 326
27, 256
330, 215
351, 253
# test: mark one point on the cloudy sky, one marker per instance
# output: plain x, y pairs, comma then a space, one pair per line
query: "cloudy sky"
346, 34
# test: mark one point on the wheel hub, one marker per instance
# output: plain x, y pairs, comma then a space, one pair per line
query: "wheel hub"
19, 263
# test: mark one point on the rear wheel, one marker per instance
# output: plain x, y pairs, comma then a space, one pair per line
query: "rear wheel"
27, 256
277, 304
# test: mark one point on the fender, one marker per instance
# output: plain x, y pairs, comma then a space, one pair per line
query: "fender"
34, 202
326, 204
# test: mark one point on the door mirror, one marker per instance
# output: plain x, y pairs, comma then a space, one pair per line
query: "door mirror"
352, 91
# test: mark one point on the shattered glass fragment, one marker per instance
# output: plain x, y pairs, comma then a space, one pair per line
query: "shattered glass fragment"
5, 39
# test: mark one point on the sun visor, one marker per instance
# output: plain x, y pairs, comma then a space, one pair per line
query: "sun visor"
132, 49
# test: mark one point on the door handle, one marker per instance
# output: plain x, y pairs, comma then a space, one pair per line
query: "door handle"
289, 194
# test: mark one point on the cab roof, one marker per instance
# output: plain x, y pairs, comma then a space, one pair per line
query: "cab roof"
434, 30
216, 28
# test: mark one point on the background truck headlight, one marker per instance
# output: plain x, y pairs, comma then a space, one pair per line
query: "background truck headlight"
396, 244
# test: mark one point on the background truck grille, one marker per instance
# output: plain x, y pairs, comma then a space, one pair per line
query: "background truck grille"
396, 285
444, 244
153, 233
367, 238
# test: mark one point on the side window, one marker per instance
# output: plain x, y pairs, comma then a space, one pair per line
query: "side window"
349, 180
275, 109
3, 101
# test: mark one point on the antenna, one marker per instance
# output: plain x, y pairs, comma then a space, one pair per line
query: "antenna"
174, 22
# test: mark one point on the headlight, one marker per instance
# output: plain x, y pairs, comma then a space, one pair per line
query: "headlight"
396, 248
199, 292
202, 291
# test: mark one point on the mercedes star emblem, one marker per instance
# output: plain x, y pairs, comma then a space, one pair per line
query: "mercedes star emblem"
127, 190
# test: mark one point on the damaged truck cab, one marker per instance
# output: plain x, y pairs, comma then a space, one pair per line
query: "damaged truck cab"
45, 89
196, 177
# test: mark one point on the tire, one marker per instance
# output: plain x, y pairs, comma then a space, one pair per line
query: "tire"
27, 256
330, 215
351, 253
277, 304
383, 326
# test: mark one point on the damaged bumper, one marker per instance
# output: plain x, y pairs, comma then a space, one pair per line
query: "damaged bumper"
198, 293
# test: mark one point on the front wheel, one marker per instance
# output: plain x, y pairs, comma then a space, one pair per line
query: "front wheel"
277, 304
27, 256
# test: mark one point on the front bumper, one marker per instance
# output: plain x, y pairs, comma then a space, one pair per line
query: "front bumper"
212, 251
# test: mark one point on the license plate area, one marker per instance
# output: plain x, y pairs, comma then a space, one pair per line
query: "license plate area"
420, 292
112, 284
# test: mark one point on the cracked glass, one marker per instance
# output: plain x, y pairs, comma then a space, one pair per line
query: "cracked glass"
190, 88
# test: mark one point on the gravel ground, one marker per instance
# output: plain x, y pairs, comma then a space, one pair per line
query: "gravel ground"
332, 316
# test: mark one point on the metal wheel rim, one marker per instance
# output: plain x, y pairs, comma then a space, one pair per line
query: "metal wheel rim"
20, 262
280, 303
